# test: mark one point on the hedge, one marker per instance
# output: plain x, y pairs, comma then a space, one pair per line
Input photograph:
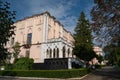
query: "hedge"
46, 73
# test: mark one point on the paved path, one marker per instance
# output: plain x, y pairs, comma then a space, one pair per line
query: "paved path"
106, 73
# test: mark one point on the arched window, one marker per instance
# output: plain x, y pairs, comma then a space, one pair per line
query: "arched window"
64, 52
47, 53
68, 52
50, 53
53, 53
57, 53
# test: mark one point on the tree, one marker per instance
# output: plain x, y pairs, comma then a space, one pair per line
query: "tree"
16, 50
106, 24
112, 54
100, 58
6, 28
106, 21
83, 39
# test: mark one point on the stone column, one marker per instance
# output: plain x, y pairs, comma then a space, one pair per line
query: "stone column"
69, 63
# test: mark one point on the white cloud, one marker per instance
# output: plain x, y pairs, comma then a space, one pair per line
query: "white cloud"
70, 23
60, 10
63, 10
57, 9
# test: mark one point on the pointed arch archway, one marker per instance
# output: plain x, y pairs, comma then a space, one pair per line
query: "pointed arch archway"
68, 52
47, 53
57, 53
63, 52
54, 53
50, 53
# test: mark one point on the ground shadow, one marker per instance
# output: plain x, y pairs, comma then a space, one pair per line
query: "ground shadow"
108, 73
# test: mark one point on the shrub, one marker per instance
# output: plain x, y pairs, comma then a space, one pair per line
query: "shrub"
119, 63
98, 66
8, 66
7, 73
24, 63
46, 73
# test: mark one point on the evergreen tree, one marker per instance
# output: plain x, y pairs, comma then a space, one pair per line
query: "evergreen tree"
83, 39
6, 28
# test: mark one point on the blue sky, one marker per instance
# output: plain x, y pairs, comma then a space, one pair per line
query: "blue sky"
66, 11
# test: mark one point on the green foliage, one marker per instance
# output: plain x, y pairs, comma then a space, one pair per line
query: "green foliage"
106, 17
83, 39
6, 28
8, 66
100, 58
47, 73
98, 66
112, 54
16, 50
119, 63
24, 63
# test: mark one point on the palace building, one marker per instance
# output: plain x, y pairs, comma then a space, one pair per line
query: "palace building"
42, 37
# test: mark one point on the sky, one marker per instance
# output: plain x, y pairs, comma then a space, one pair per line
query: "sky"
65, 11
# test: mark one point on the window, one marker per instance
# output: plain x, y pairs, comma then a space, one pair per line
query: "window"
68, 52
47, 52
54, 53
64, 52
27, 53
12, 40
50, 53
29, 38
57, 53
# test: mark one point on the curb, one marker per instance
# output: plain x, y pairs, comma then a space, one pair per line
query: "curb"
37, 78
79, 78
34, 78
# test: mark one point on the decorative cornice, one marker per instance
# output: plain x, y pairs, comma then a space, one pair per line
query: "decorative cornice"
35, 15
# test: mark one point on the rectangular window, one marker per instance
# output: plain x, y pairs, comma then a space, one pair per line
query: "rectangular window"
29, 38
27, 53
12, 40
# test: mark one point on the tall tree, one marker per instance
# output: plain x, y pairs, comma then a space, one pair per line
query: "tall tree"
6, 28
106, 24
106, 21
83, 39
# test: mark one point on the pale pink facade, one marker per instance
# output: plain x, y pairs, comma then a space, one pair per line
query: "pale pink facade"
48, 37
99, 52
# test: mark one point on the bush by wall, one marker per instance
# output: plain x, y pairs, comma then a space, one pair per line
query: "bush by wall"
46, 73
8, 66
24, 63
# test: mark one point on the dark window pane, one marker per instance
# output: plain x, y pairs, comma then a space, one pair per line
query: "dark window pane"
64, 52
12, 41
57, 53
27, 53
50, 53
29, 38
54, 53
